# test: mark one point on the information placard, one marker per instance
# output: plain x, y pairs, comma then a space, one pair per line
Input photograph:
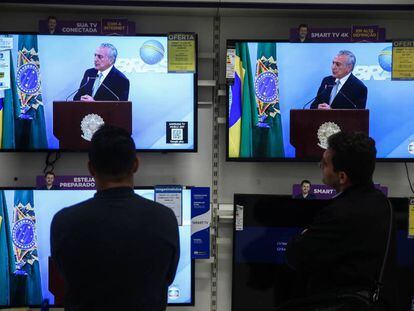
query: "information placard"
403, 60
181, 52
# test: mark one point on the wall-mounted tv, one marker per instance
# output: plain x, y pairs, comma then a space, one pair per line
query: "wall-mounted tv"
27, 275
274, 97
45, 81
264, 224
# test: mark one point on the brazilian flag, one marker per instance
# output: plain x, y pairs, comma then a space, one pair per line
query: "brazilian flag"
268, 135
243, 114
255, 128
23, 122
6, 254
27, 286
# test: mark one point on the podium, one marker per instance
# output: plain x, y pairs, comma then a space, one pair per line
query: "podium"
75, 121
306, 124
56, 283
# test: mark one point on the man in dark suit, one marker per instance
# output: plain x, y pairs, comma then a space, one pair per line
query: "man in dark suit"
306, 192
117, 250
342, 90
344, 248
104, 81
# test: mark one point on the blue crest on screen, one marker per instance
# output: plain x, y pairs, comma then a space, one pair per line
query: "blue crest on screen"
385, 59
265, 87
152, 52
23, 234
28, 79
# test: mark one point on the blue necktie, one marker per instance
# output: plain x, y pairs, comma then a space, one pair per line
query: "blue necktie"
96, 84
334, 92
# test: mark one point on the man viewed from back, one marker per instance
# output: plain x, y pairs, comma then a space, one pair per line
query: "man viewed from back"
117, 250
344, 248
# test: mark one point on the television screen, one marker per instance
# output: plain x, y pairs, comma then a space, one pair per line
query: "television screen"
263, 226
39, 284
274, 97
42, 75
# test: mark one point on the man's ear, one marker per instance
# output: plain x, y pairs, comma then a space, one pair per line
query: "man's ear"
343, 178
91, 169
135, 165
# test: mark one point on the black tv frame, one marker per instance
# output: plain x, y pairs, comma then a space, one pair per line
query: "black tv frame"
229, 42
195, 104
190, 304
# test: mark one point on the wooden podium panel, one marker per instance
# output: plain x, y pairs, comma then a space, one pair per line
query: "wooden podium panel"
305, 124
68, 118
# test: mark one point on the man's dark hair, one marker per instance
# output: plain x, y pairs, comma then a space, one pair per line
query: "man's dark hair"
112, 152
51, 17
354, 154
305, 181
303, 25
50, 173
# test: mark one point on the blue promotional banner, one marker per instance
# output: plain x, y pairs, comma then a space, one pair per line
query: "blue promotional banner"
200, 222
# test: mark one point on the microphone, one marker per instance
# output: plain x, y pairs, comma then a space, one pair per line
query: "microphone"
104, 85
83, 85
347, 98
317, 95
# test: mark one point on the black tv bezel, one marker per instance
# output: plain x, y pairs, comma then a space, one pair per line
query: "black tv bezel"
192, 278
195, 104
279, 159
253, 197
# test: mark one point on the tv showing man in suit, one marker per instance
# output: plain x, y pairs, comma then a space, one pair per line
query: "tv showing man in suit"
104, 81
341, 90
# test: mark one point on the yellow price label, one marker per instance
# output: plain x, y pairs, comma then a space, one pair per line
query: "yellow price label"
411, 218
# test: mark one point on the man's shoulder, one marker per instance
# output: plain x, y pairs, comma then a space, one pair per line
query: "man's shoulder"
157, 209
116, 72
91, 72
73, 210
356, 82
328, 80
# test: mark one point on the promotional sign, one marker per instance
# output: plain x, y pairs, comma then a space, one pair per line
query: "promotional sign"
68, 182
114, 27
172, 197
104, 27
402, 60
200, 222
230, 63
411, 219
324, 192
4, 70
364, 33
343, 35
181, 52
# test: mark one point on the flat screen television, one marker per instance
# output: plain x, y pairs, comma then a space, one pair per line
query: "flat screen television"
270, 115
263, 226
41, 76
45, 204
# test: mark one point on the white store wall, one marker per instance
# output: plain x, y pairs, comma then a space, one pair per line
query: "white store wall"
19, 169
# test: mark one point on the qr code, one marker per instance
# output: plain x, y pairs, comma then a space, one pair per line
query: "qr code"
177, 134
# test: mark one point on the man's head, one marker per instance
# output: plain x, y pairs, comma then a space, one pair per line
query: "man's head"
305, 186
51, 24
349, 160
49, 178
342, 64
105, 56
303, 31
112, 156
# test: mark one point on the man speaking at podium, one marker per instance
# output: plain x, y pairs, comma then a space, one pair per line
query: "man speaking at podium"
104, 82
342, 90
